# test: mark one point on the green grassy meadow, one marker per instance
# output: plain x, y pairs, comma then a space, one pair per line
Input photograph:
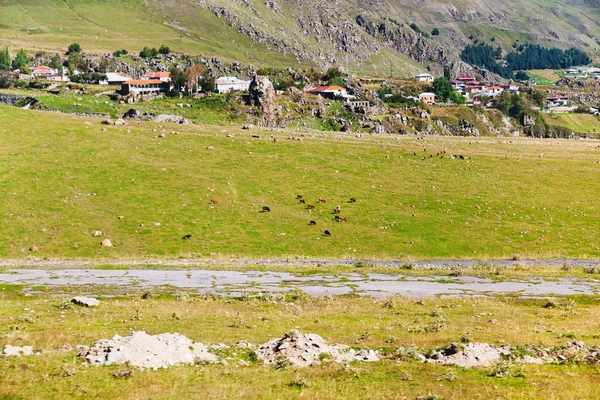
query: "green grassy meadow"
46, 322
64, 177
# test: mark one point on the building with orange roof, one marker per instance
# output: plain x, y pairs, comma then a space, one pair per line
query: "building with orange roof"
161, 76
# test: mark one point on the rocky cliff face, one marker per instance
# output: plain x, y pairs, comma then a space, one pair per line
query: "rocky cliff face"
334, 32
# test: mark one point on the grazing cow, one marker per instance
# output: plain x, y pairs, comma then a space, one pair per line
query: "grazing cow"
337, 210
98, 233
326, 233
321, 200
298, 196
302, 201
213, 201
266, 209
352, 200
340, 218
186, 237
310, 206
313, 223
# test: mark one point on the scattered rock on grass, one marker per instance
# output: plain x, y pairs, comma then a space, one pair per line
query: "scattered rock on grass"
304, 350
16, 351
106, 243
147, 351
85, 301
467, 355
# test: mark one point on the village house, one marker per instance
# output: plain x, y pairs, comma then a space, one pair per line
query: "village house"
424, 78
143, 87
557, 101
329, 92
466, 79
512, 88
161, 76
492, 91
49, 74
226, 84
115, 78
427, 98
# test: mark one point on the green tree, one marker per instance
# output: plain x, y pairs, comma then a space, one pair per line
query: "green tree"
74, 48
521, 76
207, 82
457, 98
443, 89
21, 60
503, 102
5, 60
164, 49
435, 32
75, 61
447, 73
538, 97
331, 73
56, 62
177, 78
337, 81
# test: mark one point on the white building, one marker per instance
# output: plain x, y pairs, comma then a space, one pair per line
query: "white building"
424, 78
115, 78
228, 84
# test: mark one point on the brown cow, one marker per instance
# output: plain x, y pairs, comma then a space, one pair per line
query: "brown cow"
298, 196
321, 200
213, 201
310, 206
313, 223
340, 218
352, 200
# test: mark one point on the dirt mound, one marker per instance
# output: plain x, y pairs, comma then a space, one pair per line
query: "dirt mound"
467, 355
303, 350
147, 351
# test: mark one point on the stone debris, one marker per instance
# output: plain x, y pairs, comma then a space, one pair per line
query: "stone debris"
16, 351
468, 355
85, 301
147, 351
304, 350
106, 243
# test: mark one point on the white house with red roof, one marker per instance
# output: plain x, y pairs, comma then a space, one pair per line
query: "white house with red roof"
466, 79
330, 91
161, 76
226, 84
558, 100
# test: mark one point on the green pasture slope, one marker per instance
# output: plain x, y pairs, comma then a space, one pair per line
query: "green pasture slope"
99, 25
63, 177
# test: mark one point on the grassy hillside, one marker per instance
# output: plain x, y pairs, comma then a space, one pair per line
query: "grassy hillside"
64, 181
294, 32
578, 123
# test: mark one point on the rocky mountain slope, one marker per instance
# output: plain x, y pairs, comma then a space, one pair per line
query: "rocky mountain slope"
386, 37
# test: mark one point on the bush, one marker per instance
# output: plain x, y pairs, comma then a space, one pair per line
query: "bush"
120, 53
435, 32
4, 82
148, 52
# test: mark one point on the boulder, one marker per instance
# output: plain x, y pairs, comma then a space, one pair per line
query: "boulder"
85, 301
106, 243
16, 351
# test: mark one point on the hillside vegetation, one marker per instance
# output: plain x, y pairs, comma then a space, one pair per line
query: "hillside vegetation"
64, 181
382, 37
